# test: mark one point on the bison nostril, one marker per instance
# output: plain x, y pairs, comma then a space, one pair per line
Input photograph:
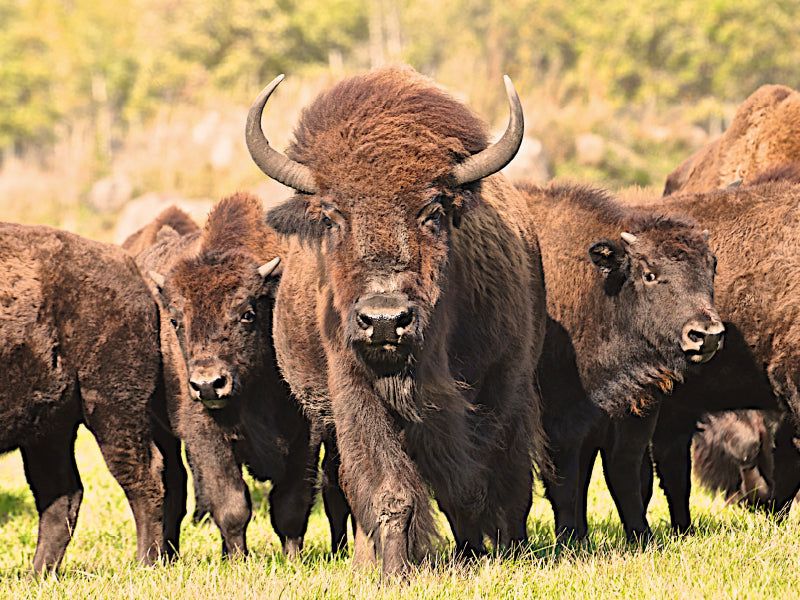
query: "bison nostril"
405, 319
364, 321
220, 382
194, 386
696, 336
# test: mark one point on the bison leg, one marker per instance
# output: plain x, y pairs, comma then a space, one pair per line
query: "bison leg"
786, 477
363, 548
336, 507
175, 485
56, 485
382, 484
622, 464
137, 465
673, 459
292, 496
562, 489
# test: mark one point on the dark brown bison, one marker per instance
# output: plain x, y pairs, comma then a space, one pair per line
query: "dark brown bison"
411, 310
764, 134
226, 398
79, 344
755, 232
732, 453
630, 310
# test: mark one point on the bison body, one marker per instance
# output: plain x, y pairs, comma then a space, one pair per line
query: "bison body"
226, 399
79, 344
763, 135
630, 311
411, 309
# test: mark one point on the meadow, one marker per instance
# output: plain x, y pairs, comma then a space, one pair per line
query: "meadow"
734, 553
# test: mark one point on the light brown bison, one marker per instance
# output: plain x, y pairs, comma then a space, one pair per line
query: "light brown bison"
411, 309
79, 344
226, 399
764, 134
172, 217
630, 310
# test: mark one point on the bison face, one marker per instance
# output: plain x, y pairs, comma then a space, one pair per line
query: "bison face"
386, 261
221, 311
662, 279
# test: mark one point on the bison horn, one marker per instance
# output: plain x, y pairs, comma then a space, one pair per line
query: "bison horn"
629, 238
498, 155
157, 278
269, 160
267, 268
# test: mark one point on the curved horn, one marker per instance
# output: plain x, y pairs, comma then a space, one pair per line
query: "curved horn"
629, 238
272, 162
267, 268
498, 155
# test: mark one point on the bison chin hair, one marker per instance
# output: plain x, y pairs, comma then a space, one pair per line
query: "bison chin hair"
398, 392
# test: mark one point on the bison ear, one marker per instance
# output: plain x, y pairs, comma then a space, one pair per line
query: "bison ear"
292, 218
607, 256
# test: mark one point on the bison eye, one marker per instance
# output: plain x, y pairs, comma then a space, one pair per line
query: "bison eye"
327, 222
174, 323
649, 276
249, 316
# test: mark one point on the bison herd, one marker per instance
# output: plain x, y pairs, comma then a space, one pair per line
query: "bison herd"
444, 334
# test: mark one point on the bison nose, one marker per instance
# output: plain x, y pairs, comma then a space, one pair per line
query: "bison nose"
211, 386
702, 338
384, 317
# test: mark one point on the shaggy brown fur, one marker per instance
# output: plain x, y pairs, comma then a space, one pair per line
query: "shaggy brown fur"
764, 133
733, 454
448, 401
755, 233
147, 236
226, 398
79, 344
616, 338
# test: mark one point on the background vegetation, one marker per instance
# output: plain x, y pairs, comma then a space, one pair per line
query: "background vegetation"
154, 91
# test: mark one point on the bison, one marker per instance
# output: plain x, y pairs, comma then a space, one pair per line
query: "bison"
732, 453
764, 134
227, 400
755, 231
79, 344
630, 311
410, 313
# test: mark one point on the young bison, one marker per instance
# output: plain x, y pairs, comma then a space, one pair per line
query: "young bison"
79, 344
411, 310
226, 398
630, 306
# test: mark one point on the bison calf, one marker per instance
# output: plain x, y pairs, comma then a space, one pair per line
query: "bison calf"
227, 401
630, 307
79, 344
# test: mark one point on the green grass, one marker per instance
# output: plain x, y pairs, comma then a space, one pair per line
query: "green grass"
733, 554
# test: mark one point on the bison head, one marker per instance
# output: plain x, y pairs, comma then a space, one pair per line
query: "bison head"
663, 277
385, 166
221, 310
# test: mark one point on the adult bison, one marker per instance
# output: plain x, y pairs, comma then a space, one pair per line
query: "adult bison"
79, 344
764, 134
755, 232
226, 398
630, 310
411, 309
171, 217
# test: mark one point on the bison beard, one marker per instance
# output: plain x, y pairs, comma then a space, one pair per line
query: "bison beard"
397, 391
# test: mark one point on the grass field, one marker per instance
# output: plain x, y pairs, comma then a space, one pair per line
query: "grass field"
733, 554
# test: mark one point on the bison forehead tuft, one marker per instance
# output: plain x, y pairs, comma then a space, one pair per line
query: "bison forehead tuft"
391, 124
208, 281
674, 237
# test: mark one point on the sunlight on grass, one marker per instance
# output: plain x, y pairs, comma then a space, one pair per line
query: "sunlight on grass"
734, 553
